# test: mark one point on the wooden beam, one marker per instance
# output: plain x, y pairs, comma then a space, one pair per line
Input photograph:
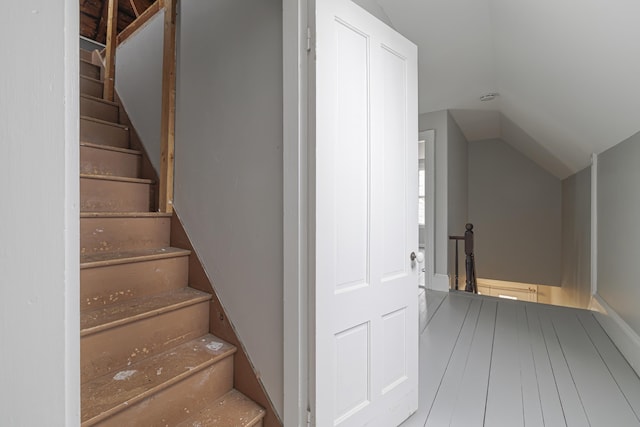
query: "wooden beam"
139, 23
101, 27
134, 7
110, 53
167, 135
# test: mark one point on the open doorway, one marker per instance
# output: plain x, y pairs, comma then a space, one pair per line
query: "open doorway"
426, 198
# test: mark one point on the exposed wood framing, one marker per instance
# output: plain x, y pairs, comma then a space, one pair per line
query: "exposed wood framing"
140, 22
135, 9
101, 27
167, 136
110, 59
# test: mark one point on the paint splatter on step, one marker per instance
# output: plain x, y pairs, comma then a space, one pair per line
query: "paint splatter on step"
215, 346
124, 375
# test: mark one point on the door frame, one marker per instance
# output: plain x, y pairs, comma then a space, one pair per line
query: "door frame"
298, 26
296, 184
428, 136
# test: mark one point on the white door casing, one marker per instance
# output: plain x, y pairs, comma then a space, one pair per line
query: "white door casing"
365, 346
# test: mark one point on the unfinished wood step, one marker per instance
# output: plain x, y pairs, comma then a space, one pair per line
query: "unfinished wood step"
117, 232
100, 193
232, 409
161, 390
117, 277
87, 69
96, 107
115, 336
102, 132
85, 55
126, 257
89, 86
110, 161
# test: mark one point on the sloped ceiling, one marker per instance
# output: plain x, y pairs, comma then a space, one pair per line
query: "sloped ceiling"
93, 16
567, 71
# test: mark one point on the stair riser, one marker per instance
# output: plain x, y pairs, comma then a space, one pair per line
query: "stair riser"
103, 134
99, 110
92, 88
174, 404
86, 55
113, 196
94, 161
114, 349
104, 286
89, 70
106, 235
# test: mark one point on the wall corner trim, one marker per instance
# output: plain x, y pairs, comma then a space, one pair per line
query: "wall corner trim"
622, 335
594, 224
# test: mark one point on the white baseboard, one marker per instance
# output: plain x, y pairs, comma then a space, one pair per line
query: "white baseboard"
440, 282
622, 335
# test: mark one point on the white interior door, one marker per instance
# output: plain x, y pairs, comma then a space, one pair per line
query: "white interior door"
365, 355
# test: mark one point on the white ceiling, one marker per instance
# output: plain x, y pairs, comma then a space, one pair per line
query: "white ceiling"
567, 71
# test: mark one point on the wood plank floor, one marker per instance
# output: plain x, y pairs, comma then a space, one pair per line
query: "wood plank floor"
500, 363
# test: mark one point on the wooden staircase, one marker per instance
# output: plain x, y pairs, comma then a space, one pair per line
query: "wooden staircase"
147, 358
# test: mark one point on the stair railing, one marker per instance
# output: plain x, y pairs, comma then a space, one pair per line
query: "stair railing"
167, 132
471, 284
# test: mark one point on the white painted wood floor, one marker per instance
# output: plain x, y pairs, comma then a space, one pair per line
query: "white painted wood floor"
499, 363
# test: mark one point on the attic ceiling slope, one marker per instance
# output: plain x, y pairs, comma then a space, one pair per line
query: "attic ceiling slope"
93, 16
566, 70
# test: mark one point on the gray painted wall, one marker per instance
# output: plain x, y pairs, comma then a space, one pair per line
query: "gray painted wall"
39, 219
618, 230
228, 155
228, 169
375, 9
451, 184
576, 239
438, 122
139, 83
516, 209
457, 190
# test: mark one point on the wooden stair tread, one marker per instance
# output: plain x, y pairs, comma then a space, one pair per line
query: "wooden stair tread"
88, 61
110, 148
123, 257
232, 409
116, 178
91, 79
125, 215
104, 122
95, 98
109, 394
103, 318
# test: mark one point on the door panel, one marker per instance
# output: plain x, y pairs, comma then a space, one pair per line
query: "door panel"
366, 225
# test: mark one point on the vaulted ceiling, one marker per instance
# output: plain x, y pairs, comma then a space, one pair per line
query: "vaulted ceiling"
93, 16
567, 71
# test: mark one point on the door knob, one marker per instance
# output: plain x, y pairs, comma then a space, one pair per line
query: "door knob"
419, 257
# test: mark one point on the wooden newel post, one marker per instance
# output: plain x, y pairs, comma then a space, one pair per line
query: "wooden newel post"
167, 134
471, 283
110, 51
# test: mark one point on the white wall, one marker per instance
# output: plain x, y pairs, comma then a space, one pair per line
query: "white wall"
576, 239
39, 219
438, 122
618, 230
139, 83
228, 171
516, 210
